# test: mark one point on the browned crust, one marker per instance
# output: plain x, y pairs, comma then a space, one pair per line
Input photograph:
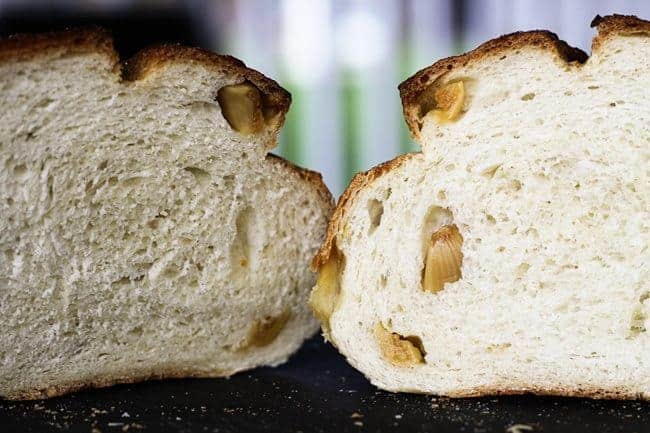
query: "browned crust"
79, 41
82, 41
411, 89
359, 182
66, 388
148, 60
619, 393
618, 25
312, 177
583, 392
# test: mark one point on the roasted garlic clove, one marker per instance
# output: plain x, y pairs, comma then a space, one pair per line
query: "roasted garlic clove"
265, 331
443, 103
241, 105
443, 259
399, 351
325, 295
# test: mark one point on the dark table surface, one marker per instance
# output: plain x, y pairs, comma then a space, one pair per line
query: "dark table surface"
316, 391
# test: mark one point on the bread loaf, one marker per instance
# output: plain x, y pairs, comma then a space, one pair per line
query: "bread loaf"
510, 255
145, 231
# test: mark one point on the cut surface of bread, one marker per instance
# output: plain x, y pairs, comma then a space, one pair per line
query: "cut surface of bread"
144, 230
511, 255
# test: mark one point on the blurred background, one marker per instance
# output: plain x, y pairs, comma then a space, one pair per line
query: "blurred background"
341, 60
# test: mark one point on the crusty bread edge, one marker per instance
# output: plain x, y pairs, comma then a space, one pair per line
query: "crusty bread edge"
148, 60
74, 386
358, 183
583, 392
97, 40
505, 389
410, 89
609, 26
27, 46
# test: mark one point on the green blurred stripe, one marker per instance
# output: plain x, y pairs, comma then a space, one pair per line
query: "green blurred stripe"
292, 145
351, 124
406, 68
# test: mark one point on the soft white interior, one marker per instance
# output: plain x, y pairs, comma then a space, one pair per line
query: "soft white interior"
546, 175
140, 235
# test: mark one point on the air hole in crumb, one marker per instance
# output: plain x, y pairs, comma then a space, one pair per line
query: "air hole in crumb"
490, 171
10, 201
501, 249
401, 351
417, 342
240, 250
375, 212
442, 195
20, 171
122, 281
133, 181
450, 167
639, 317
383, 280
171, 272
498, 347
102, 165
522, 269
201, 176
528, 97
490, 219
515, 185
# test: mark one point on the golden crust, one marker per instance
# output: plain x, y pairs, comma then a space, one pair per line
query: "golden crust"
73, 386
583, 392
617, 25
26, 46
612, 25
97, 40
359, 182
148, 60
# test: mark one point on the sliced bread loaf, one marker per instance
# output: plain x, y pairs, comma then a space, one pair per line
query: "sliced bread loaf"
511, 255
145, 232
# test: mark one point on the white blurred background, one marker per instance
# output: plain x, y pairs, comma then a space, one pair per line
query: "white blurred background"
341, 60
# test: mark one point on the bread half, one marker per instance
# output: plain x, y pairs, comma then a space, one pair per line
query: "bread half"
145, 231
511, 255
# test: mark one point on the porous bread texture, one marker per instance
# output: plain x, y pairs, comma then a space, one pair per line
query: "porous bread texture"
140, 236
546, 176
